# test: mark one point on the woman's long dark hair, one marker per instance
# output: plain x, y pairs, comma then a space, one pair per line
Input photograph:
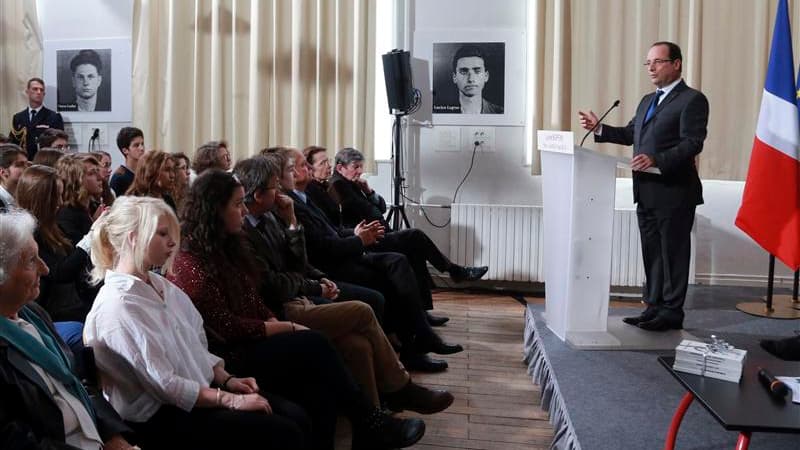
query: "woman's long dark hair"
204, 235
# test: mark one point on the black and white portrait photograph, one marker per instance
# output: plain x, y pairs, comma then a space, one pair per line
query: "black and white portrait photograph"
468, 77
91, 79
84, 80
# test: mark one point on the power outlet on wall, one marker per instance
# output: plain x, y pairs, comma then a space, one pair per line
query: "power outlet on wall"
483, 136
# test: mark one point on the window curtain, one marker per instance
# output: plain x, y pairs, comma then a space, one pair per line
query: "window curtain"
255, 73
20, 56
590, 53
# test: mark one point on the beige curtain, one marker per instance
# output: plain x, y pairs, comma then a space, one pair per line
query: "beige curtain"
256, 73
20, 56
590, 53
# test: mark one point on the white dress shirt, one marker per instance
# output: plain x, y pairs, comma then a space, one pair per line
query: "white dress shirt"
79, 428
149, 345
7, 198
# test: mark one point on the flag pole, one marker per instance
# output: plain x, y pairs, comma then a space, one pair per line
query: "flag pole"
791, 301
767, 307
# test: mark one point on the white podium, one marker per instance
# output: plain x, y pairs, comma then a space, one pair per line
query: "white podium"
578, 192
578, 189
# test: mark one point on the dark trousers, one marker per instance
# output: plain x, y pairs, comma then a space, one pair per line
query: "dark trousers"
419, 249
173, 428
392, 275
666, 250
350, 291
306, 369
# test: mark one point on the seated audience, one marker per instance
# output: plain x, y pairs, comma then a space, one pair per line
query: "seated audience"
211, 155
324, 290
43, 404
319, 186
351, 325
180, 188
108, 196
348, 254
155, 176
215, 270
39, 192
53, 138
47, 157
80, 175
130, 142
160, 377
13, 161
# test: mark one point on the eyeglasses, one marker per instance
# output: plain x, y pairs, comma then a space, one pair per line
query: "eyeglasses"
657, 62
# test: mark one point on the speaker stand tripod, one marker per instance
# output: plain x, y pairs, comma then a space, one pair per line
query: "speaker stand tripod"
397, 211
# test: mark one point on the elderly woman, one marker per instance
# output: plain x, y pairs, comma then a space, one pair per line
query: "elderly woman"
44, 405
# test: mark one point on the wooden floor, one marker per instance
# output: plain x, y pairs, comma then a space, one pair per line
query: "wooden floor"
496, 406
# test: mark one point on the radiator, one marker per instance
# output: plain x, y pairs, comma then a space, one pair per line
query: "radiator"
508, 239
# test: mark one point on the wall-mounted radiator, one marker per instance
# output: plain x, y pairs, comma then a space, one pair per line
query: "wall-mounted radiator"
508, 239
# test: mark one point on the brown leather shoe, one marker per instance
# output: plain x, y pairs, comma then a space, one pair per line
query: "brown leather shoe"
414, 397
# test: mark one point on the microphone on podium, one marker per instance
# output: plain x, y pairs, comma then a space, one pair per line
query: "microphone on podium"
776, 387
599, 121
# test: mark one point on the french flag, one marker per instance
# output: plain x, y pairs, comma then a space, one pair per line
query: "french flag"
770, 210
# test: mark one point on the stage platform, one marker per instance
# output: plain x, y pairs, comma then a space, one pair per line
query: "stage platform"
600, 399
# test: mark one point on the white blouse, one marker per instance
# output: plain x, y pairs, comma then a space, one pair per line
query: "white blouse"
149, 345
79, 428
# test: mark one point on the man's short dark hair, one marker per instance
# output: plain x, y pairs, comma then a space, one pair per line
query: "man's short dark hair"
50, 135
35, 79
468, 51
4, 139
86, 57
255, 174
9, 154
674, 50
126, 135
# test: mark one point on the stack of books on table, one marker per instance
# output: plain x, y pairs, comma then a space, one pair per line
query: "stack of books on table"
717, 360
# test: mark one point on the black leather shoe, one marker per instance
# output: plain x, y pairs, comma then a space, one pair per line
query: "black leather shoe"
435, 344
649, 313
436, 321
420, 362
786, 349
381, 431
660, 324
414, 397
461, 273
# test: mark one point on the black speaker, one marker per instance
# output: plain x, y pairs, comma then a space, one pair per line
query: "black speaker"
399, 86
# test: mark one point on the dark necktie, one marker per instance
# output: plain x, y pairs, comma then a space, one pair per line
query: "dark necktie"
33, 114
653, 104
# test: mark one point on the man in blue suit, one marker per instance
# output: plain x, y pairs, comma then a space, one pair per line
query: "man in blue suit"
667, 133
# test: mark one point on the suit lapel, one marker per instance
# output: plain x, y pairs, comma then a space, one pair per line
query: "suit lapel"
24, 367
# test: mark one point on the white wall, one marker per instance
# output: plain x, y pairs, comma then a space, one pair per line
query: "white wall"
724, 255
88, 19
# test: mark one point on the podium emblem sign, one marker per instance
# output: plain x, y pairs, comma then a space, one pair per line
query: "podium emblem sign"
555, 141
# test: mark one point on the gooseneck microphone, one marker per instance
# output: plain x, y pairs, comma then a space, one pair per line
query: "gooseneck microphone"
599, 121
776, 387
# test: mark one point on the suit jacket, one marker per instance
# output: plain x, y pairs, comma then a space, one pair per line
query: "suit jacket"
327, 245
103, 103
43, 120
672, 137
281, 257
355, 204
319, 193
29, 418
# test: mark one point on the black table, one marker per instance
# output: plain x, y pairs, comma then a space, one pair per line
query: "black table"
745, 407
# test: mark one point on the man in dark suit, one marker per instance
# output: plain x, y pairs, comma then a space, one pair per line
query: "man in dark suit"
31, 121
344, 254
667, 133
359, 202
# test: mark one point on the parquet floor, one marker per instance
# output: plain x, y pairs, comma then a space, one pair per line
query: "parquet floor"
496, 407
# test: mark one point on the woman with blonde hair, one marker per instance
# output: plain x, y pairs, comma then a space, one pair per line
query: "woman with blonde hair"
155, 176
80, 175
151, 347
